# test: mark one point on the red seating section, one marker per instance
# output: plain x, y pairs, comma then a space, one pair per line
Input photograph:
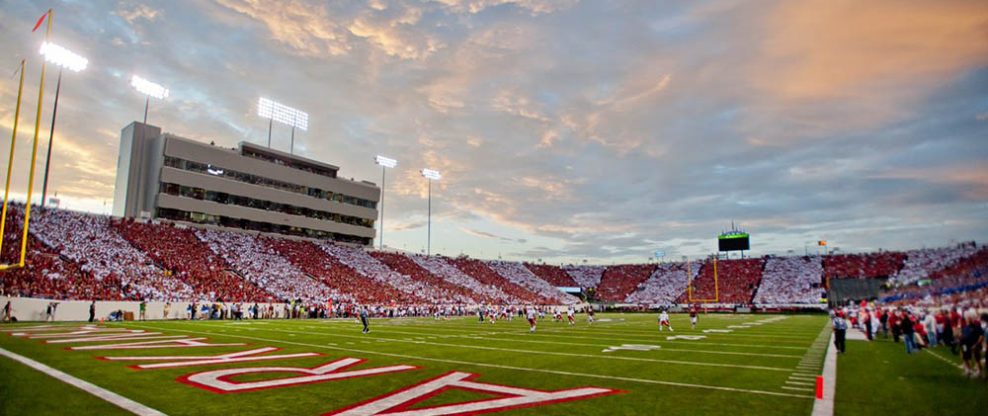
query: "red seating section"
316, 263
619, 281
179, 251
555, 275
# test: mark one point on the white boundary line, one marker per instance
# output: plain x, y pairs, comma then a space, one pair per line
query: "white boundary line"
825, 406
940, 357
109, 396
504, 367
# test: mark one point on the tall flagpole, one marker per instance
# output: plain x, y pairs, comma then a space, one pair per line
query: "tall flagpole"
10, 161
34, 150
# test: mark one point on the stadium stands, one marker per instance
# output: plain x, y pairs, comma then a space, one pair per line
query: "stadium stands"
736, 281
920, 264
365, 264
264, 267
519, 275
182, 254
585, 276
313, 261
82, 256
483, 273
665, 284
440, 267
45, 273
882, 264
552, 274
447, 292
90, 241
619, 281
791, 280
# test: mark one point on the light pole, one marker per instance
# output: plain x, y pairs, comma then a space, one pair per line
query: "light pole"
274, 111
385, 163
150, 90
75, 63
430, 175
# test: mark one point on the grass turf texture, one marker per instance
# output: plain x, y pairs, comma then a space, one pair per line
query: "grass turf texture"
682, 377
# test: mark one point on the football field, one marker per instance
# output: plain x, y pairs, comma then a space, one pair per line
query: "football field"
622, 364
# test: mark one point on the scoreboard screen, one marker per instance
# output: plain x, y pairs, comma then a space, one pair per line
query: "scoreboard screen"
733, 242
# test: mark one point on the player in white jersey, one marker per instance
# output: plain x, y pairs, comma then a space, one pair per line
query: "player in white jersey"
530, 314
569, 315
557, 315
664, 321
693, 316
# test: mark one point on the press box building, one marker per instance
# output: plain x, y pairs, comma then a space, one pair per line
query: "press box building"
160, 175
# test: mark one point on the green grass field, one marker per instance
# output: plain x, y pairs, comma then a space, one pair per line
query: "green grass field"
749, 370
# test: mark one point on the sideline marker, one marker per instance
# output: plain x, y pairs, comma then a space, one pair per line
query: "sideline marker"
819, 387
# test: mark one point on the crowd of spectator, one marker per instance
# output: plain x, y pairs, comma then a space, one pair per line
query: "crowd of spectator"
552, 274
480, 271
184, 257
585, 276
263, 267
881, 264
957, 323
362, 262
920, 264
440, 267
736, 281
90, 241
519, 275
441, 290
791, 280
315, 262
82, 256
45, 274
666, 283
619, 281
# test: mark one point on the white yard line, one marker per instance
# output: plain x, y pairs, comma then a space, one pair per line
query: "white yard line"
484, 337
941, 358
636, 338
504, 367
561, 354
109, 396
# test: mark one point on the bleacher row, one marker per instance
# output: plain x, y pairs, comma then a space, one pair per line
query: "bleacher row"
74, 255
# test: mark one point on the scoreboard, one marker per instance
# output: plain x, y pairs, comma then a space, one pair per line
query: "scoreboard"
733, 241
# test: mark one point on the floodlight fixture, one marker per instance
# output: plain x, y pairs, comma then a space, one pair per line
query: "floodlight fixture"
282, 113
430, 174
148, 88
62, 57
385, 161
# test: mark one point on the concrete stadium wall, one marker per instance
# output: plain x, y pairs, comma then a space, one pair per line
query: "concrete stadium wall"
30, 309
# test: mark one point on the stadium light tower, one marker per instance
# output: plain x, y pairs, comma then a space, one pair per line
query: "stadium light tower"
385, 163
283, 114
430, 175
149, 89
65, 59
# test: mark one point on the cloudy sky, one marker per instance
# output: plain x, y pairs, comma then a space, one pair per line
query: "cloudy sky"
566, 130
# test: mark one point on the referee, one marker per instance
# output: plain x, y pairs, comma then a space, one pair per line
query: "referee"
363, 319
840, 331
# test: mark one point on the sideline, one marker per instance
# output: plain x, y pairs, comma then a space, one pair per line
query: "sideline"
109, 396
825, 406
